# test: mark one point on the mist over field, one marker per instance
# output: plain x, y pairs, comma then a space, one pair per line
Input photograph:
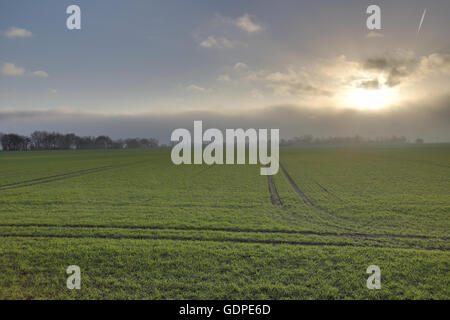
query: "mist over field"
427, 120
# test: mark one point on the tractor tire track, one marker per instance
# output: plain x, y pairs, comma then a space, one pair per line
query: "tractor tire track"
63, 176
48, 180
49, 177
326, 191
201, 171
294, 186
220, 240
310, 204
234, 230
274, 196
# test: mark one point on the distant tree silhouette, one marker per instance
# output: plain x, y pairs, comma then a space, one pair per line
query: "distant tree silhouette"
310, 140
43, 140
14, 142
103, 142
132, 143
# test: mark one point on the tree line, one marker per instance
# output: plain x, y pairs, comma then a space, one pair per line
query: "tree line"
311, 140
43, 140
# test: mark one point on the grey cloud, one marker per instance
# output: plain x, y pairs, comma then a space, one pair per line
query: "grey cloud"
395, 70
396, 75
370, 84
377, 64
289, 83
295, 88
398, 66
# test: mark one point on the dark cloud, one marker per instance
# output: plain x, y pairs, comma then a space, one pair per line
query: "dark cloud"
395, 76
396, 69
430, 120
377, 64
370, 84
399, 65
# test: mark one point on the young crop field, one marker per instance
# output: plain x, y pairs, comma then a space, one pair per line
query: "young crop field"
140, 227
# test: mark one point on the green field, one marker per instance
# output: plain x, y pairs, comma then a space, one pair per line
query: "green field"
140, 227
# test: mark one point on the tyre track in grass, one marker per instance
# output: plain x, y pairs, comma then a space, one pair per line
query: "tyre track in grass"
274, 196
63, 176
309, 203
220, 240
53, 178
201, 171
327, 191
348, 231
294, 186
302, 195
234, 230
50, 177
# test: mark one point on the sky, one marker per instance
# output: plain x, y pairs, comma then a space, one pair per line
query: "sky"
144, 68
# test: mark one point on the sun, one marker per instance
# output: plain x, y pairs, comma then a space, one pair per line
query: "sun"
370, 99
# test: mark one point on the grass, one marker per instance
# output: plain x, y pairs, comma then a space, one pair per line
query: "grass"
140, 227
